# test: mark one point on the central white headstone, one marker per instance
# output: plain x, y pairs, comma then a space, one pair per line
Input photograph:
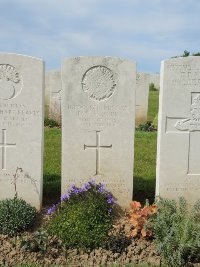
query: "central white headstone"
21, 127
178, 162
98, 100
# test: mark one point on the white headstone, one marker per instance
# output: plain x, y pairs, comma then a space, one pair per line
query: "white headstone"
178, 162
54, 83
21, 127
98, 103
155, 79
47, 95
142, 97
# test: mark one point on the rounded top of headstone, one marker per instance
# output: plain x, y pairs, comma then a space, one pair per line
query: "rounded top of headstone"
99, 83
10, 82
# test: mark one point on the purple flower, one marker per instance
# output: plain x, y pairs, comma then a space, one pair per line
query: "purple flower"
72, 187
75, 191
110, 199
52, 209
87, 186
109, 210
102, 188
81, 190
65, 196
92, 182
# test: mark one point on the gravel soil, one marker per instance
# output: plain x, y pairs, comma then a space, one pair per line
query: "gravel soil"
137, 250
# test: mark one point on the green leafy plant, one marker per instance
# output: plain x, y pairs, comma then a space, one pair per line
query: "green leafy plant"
36, 243
176, 229
84, 216
152, 87
50, 123
146, 127
15, 216
118, 243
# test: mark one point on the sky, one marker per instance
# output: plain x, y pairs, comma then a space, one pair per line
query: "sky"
145, 31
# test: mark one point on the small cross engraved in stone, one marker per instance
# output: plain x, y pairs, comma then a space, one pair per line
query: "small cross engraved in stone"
4, 145
97, 147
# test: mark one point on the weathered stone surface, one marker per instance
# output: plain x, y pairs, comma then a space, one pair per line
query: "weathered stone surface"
178, 168
98, 103
47, 94
142, 95
55, 87
21, 127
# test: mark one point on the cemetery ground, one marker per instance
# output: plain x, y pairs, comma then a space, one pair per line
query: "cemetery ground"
144, 188
140, 252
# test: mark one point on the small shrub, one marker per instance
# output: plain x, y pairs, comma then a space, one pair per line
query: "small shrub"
84, 216
15, 216
152, 87
146, 127
176, 229
36, 243
50, 123
139, 217
186, 53
118, 243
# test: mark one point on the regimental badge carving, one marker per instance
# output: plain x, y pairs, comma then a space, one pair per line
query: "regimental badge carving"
192, 123
195, 108
99, 83
10, 82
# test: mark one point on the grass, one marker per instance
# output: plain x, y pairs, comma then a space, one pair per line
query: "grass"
153, 104
145, 156
144, 163
144, 166
52, 165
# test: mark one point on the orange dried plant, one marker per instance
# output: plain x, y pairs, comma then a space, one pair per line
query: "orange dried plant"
138, 217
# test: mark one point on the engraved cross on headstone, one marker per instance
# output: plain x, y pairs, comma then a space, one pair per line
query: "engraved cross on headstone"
4, 145
190, 126
97, 147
